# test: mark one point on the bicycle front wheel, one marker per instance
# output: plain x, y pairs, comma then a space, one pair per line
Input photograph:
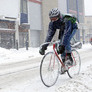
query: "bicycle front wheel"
75, 69
49, 69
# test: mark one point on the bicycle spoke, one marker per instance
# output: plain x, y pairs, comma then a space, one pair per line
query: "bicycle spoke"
75, 69
49, 69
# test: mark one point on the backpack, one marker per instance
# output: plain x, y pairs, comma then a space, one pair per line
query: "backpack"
70, 17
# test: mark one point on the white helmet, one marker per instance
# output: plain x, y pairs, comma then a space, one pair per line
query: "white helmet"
54, 13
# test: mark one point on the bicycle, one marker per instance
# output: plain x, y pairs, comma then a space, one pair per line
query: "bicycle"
51, 64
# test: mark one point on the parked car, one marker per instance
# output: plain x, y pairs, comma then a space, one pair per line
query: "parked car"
91, 41
76, 44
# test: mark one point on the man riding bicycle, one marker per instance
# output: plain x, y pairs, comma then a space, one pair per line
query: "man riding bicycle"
67, 28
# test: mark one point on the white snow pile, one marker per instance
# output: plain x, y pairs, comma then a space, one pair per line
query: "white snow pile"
81, 83
13, 55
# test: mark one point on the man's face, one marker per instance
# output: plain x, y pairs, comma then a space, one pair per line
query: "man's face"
54, 19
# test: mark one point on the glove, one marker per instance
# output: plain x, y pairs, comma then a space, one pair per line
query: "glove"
42, 50
61, 49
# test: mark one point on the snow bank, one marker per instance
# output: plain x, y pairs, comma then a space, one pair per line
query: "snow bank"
13, 55
81, 83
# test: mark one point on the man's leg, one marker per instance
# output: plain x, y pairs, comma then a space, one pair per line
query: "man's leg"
65, 39
68, 47
63, 56
68, 34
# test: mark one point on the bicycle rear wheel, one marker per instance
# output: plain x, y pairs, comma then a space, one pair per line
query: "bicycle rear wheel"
75, 69
49, 69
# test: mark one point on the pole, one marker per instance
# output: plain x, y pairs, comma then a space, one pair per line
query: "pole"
17, 35
83, 35
67, 6
78, 32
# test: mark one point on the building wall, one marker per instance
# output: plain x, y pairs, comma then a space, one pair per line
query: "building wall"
76, 7
35, 21
86, 29
34, 15
81, 11
38, 15
88, 23
7, 34
47, 5
88, 20
62, 6
10, 8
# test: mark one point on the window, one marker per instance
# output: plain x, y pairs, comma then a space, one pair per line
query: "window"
24, 6
24, 11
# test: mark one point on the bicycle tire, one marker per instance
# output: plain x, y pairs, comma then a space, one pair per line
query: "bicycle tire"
49, 69
75, 69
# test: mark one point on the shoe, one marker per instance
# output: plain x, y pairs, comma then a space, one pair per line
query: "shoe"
69, 60
63, 70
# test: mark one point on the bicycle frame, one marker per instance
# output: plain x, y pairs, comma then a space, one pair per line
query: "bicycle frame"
60, 59
57, 55
54, 43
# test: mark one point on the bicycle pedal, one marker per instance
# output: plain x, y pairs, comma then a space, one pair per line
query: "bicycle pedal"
63, 70
60, 72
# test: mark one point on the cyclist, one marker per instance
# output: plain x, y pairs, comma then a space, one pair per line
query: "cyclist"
67, 28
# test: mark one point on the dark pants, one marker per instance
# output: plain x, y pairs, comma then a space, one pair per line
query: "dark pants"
69, 32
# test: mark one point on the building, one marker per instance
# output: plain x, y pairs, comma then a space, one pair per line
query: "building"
8, 18
29, 20
14, 27
75, 7
35, 21
88, 31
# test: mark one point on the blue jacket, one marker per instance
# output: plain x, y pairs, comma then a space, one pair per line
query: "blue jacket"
66, 27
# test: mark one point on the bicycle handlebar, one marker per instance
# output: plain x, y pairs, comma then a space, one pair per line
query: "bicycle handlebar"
54, 42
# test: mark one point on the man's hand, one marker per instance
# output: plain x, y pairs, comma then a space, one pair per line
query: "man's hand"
61, 49
42, 50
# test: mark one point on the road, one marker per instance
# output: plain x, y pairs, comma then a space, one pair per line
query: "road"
22, 72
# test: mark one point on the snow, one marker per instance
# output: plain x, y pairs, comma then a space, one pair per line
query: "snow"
13, 55
15, 83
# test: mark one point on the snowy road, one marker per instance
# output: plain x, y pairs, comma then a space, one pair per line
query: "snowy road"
25, 77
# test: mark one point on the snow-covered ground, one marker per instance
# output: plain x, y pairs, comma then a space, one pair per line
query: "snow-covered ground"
13, 55
80, 83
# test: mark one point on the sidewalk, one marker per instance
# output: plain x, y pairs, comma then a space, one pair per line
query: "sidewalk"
17, 60
12, 56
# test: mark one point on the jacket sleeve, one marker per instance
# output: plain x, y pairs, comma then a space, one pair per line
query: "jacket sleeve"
51, 32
